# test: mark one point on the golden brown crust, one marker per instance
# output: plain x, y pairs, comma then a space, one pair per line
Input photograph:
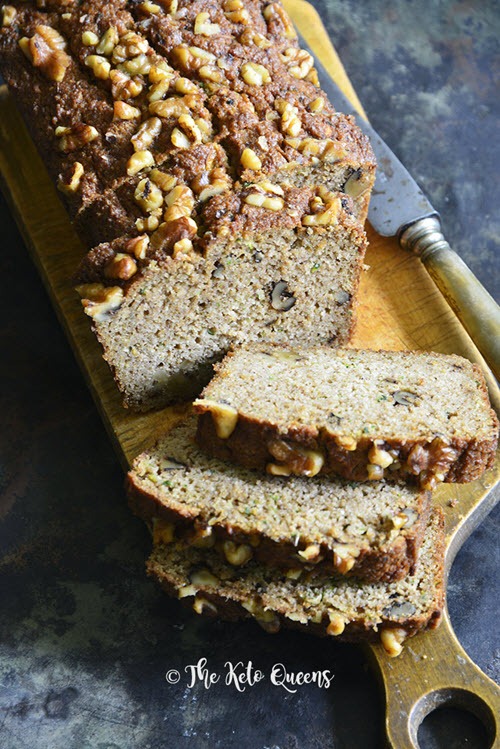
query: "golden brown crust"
228, 603
393, 561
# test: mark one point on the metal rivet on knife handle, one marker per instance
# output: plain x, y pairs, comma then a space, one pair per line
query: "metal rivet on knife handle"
473, 305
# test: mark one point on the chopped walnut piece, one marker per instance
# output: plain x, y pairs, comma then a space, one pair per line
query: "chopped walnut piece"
170, 233
392, 640
100, 301
99, 65
69, 180
138, 161
108, 42
89, 39
146, 133
8, 15
208, 184
179, 202
123, 86
122, 267
255, 74
76, 137
124, 111
276, 10
203, 26
45, 50
250, 160
138, 246
148, 196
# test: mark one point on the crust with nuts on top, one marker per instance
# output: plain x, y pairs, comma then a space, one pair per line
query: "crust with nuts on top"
363, 415
345, 609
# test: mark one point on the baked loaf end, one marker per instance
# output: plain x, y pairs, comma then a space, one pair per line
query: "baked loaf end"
255, 273
155, 118
363, 415
340, 607
301, 525
113, 90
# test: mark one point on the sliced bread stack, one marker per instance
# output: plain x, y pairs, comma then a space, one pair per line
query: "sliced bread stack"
235, 537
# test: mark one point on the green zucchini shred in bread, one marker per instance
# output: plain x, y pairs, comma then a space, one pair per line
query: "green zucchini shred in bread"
343, 607
327, 527
363, 415
178, 134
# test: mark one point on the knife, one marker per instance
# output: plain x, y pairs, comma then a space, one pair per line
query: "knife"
399, 208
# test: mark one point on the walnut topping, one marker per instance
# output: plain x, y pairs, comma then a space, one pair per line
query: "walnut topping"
148, 196
346, 443
146, 134
224, 416
344, 557
357, 184
236, 12
268, 620
431, 462
237, 554
263, 194
159, 71
138, 161
158, 90
325, 207
392, 640
299, 62
182, 247
204, 578
187, 134
378, 456
374, 472
250, 160
317, 105
122, 267
185, 86
281, 298
202, 604
276, 10
203, 26
290, 121
138, 246
69, 180
139, 65
150, 8
297, 460
250, 36
170, 233
150, 223
76, 137
211, 183
8, 15
255, 74
129, 45
336, 625
170, 6
123, 86
100, 301
45, 50
124, 111
326, 150
99, 65
311, 553
89, 39
165, 182
179, 202
108, 42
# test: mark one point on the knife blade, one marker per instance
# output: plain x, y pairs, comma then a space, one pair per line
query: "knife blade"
399, 208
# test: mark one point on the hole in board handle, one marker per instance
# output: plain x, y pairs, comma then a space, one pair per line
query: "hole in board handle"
453, 697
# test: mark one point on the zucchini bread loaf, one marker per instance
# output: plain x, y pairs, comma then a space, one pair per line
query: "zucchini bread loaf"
181, 136
363, 415
342, 607
328, 527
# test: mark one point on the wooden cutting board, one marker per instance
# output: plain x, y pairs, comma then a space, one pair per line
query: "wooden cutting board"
400, 308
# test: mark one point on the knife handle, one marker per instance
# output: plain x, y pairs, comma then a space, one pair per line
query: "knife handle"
473, 305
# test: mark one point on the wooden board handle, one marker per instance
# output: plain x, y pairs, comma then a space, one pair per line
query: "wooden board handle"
416, 683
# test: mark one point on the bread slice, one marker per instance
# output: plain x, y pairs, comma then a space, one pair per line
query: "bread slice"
363, 415
330, 527
338, 606
272, 270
